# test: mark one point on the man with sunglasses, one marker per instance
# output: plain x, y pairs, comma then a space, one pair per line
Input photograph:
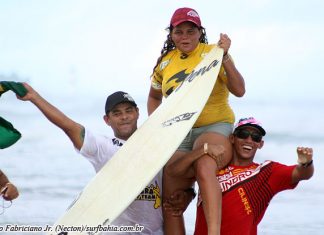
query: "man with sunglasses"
247, 186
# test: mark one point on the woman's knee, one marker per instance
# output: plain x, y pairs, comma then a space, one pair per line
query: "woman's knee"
205, 167
216, 139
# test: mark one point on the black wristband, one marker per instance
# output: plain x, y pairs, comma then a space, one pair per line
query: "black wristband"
191, 191
307, 164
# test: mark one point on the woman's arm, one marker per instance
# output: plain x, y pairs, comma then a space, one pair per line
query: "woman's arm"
181, 167
235, 81
154, 100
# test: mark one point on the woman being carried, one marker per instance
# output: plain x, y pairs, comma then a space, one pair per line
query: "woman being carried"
185, 47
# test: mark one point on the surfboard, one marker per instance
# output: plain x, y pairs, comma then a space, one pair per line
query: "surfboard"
144, 154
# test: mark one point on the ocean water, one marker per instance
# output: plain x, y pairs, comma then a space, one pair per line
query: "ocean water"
49, 173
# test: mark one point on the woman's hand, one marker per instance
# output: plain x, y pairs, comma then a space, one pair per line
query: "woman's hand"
178, 202
224, 42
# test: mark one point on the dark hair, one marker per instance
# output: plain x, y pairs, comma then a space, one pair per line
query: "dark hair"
169, 45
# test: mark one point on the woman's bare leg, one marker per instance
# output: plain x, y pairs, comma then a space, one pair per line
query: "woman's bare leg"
173, 225
206, 169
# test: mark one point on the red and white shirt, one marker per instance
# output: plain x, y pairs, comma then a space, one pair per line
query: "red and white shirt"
247, 192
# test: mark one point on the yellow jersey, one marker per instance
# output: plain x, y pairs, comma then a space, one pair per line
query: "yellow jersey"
176, 66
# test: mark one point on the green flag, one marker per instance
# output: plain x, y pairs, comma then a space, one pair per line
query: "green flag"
8, 134
16, 87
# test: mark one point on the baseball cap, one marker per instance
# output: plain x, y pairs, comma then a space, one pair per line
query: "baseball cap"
117, 98
250, 121
185, 14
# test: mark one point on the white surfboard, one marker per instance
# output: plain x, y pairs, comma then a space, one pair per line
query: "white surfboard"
144, 153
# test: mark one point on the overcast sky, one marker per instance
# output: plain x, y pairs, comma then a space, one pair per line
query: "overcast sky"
98, 47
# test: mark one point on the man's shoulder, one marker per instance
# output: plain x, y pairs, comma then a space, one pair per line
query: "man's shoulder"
274, 164
90, 135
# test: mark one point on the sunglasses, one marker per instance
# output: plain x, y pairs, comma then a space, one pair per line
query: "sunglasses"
244, 134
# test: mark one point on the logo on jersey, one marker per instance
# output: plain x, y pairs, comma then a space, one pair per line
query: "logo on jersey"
229, 177
151, 193
182, 77
116, 142
177, 78
245, 201
164, 64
